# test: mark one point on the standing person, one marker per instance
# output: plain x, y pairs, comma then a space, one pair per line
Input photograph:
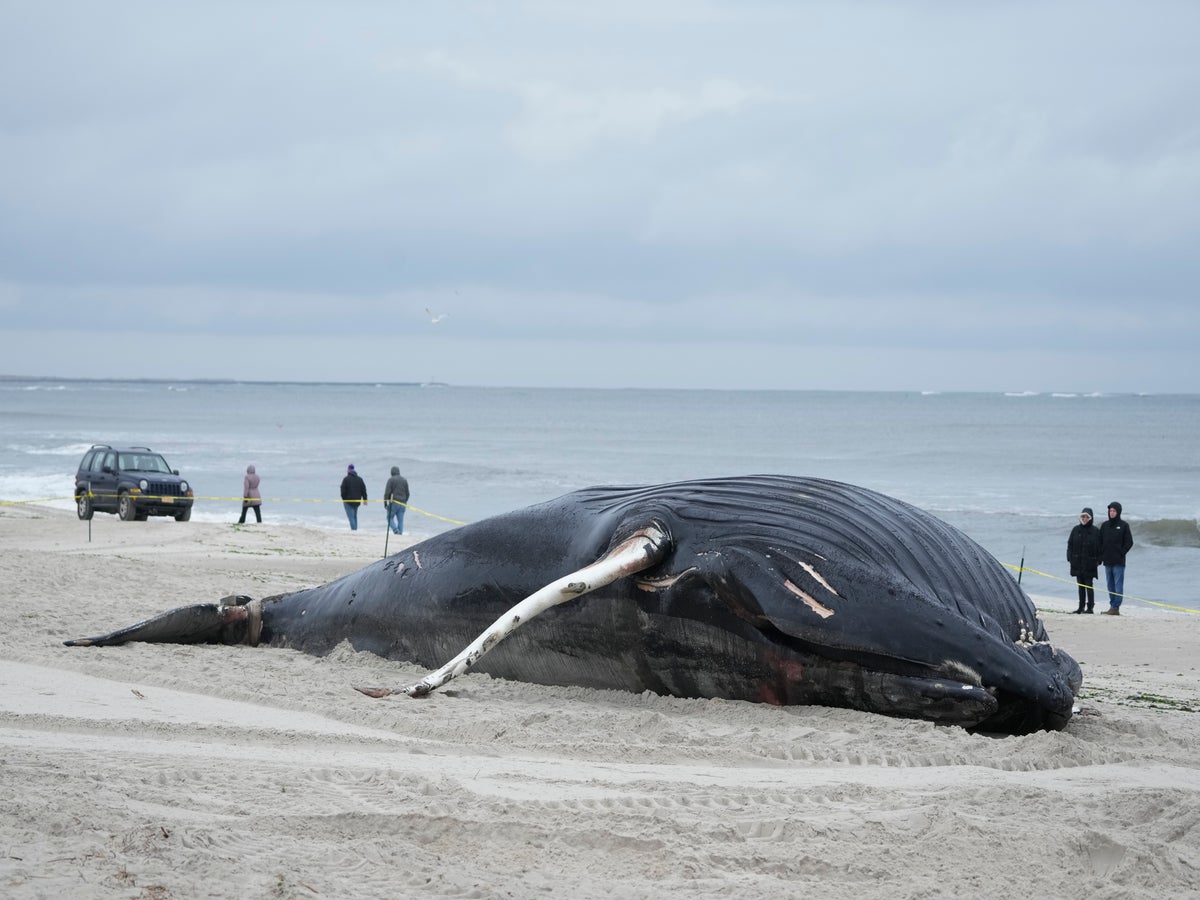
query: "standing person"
1115, 541
395, 496
251, 498
354, 494
1083, 553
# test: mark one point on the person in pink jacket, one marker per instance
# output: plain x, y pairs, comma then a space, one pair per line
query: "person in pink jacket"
251, 498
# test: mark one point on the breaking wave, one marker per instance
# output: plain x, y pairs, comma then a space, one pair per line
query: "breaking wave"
1168, 532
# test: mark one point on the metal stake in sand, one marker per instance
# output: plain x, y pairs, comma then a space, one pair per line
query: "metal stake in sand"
387, 527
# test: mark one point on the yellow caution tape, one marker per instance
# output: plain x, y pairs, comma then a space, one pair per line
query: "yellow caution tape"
178, 497
432, 515
1099, 589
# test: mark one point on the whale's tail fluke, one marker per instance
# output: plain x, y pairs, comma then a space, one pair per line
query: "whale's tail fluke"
231, 620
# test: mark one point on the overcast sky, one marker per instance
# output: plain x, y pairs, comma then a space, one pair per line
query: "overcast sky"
752, 194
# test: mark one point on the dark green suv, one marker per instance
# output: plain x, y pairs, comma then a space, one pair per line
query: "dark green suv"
133, 482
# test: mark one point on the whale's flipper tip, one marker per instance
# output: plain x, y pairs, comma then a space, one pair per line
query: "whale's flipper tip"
377, 692
420, 689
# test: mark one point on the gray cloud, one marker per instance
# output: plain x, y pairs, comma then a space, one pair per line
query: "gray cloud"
963, 195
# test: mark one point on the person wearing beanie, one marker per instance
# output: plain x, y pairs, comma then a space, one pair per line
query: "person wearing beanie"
354, 495
395, 499
1083, 553
1115, 541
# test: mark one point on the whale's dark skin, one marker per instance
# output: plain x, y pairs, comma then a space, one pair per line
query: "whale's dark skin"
772, 589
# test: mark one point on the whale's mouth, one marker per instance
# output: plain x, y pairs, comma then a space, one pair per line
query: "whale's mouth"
944, 700
1041, 698
939, 697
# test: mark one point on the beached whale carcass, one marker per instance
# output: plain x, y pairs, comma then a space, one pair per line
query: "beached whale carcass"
768, 588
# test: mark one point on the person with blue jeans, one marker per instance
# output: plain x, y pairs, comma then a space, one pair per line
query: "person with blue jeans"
354, 495
395, 500
1115, 541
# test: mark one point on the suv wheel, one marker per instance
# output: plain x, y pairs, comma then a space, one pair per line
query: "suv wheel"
184, 515
126, 507
83, 506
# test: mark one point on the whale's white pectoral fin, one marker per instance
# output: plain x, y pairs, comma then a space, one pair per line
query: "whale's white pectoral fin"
646, 547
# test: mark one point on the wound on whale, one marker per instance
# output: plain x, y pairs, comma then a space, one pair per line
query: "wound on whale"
768, 588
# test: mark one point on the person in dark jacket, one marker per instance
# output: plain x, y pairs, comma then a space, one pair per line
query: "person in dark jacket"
1083, 553
395, 498
1115, 541
354, 495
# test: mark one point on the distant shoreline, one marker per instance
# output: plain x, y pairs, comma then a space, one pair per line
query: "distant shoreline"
1055, 393
80, 380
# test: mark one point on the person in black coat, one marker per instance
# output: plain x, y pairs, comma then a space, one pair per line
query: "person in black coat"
354, 495
1115, 541
1083, 553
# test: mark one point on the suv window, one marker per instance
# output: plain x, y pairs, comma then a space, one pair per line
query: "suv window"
143, 462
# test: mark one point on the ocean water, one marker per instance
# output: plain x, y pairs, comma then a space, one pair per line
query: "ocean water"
1012, 471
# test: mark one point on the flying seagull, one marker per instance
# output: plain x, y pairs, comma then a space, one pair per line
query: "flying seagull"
434, 319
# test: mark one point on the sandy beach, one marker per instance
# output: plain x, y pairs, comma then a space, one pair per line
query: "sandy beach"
157, 771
